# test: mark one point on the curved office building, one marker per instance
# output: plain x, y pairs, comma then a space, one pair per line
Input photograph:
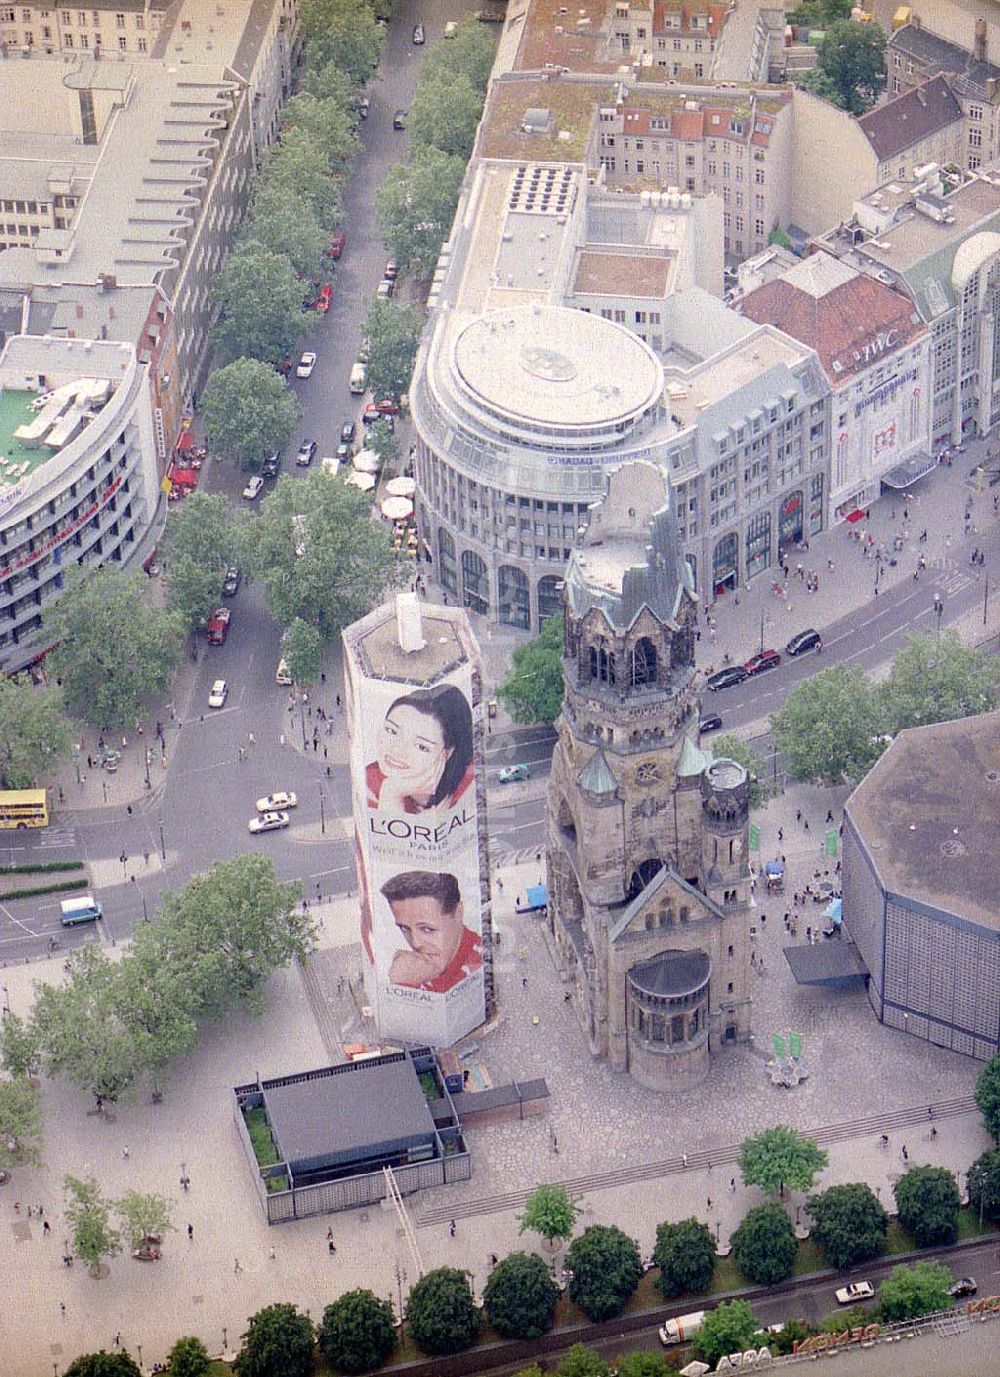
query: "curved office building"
520, 414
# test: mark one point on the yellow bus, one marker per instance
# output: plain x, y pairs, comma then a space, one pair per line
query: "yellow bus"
23, 808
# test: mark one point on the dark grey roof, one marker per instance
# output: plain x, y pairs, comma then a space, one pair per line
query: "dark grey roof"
672, 974
910, 118
830, 962
346, 1114
935, 55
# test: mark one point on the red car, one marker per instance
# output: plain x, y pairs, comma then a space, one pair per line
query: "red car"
324, 298
767, 659
218, 626
338, 243
388, 406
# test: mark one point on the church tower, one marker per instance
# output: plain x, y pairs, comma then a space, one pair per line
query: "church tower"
647, 833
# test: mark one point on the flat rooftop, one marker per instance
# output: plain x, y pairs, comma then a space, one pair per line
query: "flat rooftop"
17, 460
918, 236
448, 642
927, 813
603, 272
737, 367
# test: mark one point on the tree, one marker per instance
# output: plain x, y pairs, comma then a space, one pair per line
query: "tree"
258, 296
988, 1096
780, 1157
911, 1291
606, 1268
729, 1328
326, 81
188, 1358
442, 1314
415, 206
357, 1333
277, 1343
927, 1201
20, 1124
643, 1365
328, 124
154, 1008
828, 728
298, 170
581, 1361
444, 114
103, 1364
303, 651
88, 1214
936, 678
794, 1332
471, 51
984, 1184
852, 57
849, 1224
287, 227
533, 690
345, 33
34, 731
393, 333
19, 1043
198, 545
249, 412
685, 1255
762, 786
381, 440
318, 553
114, 646
144, 1216
764, 1245
520, 1297
549, 1211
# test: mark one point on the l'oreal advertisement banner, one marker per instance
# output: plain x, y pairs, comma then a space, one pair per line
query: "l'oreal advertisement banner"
416, 821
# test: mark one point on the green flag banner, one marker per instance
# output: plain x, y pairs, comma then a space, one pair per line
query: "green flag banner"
779, 1046
795, 1045
754, 837
831, 842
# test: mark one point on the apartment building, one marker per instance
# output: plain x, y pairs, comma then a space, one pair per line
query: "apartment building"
915, 56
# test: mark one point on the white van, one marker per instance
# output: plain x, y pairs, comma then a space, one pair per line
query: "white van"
359, 379
450, 29
84, 909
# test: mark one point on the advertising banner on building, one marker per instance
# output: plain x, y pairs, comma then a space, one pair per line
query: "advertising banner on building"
416, 821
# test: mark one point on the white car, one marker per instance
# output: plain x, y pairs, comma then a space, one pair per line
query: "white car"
253, 487
306, 365
218, 695
275, 802
268, 822
857, 1291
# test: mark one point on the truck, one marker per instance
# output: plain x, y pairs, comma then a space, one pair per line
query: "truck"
682, 1329
84, 909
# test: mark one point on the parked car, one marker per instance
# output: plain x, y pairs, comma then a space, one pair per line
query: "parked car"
218, 694
965, 1286
268, 822
253, 487
418, 34
338, 239
363, 107
857, 1291
511, 774
348, 430
359, 378
344, 451
275, 803
218, 626
391, 270
809, 639
399, 119
281, 674
324, 299
385, 289
491, 16
725, 678
307, 451
371, 414
387, 406
767, 659
711, 723
450, 29
231, 583
306, 365
271, 466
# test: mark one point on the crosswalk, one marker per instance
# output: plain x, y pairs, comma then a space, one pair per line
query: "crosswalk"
55, 838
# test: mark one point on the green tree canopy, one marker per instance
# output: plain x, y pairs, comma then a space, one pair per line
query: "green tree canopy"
326, 81
277, 1343
198, 545
764, 1245
188, 1358
849, 1224
381, 440
115, 647
259, 296
533, 689
581, 1361
762, 785
328, 124
829, 726
144, 1216
984, 1184
471, 52
415, 206
911, 1291
606, 1269
442, 1316
644, 1365
20, 1123
927, 1201
445, 114
988, 1096
302, 649
103, 1364
393, 333
297, 168
344, 33
520, 1297
318, 553
34, 731
729, 1328
780, 1157
549, 1211
249, 412
19, 1043
357, 1333
938, 679
852, 57
287, 227
88, 1215
685, 1255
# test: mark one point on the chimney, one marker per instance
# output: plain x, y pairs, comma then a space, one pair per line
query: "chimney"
408, 626
979, 42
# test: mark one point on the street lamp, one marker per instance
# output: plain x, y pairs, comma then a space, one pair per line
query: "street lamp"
762, 621
225, 1339
938, 611
148, 784
139, 1351
322, 813
145, 914
163, 847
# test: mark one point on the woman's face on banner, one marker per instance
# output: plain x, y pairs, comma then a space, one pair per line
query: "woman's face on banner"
411, 750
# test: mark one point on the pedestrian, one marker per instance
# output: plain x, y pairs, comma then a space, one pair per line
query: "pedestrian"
709, 1202
798, 815
451, 1228
90, 762
331, 1248
281, 739
829, 815
125, 1152
906, 1155
62, 1308
128, 809
329, 1235
190, 1233
145, 858
338, 700
732, 1184
118, 1339
46, 1227
781, 834
270, 1252
236, 1265
250, 739
805, 824
763, 919
524, 982
493, 1259
684, 1159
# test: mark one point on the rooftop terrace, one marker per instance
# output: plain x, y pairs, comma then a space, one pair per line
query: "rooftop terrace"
17, 459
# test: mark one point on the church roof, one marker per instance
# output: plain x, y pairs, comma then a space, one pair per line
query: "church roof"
596, 776
672, 974
655, 885
693, 760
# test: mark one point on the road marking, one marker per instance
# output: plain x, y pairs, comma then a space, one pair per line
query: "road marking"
337, 870
16, 921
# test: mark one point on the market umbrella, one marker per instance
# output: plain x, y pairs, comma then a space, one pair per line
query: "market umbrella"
366, 461
401, 487
856, 515
397, 508
774, 868
364, 481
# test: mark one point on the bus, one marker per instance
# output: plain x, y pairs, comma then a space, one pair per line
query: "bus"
23, 808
